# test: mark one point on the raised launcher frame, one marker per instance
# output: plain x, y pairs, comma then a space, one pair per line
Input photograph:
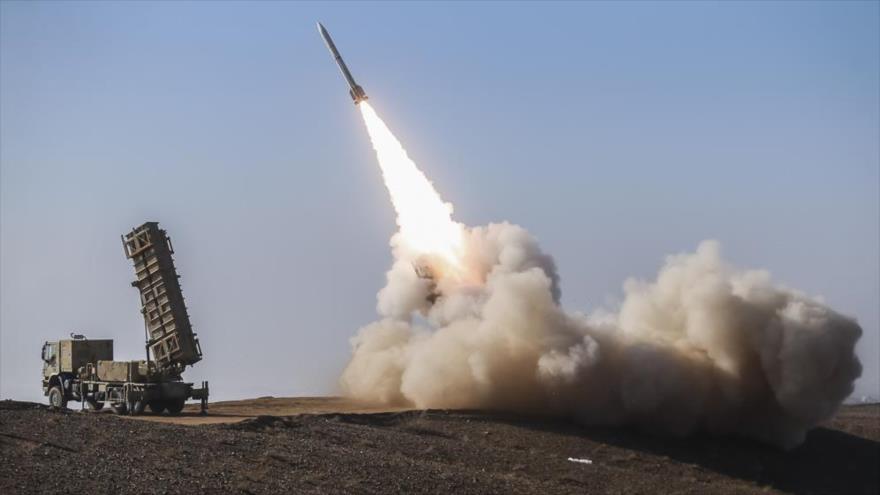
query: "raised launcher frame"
169, 334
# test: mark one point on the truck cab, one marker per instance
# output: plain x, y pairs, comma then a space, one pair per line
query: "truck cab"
62, 360
50, 361
52, 378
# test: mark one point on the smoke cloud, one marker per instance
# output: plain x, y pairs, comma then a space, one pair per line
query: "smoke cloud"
470, 318
703, 347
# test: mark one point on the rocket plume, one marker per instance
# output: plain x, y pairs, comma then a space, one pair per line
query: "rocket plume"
705, 346
424, 219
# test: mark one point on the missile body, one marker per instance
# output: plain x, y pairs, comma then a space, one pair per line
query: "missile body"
357, 93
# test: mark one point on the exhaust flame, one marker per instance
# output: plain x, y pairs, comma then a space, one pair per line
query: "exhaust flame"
424, 219
704, 346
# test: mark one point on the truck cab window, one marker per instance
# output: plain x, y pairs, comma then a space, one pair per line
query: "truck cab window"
48, 353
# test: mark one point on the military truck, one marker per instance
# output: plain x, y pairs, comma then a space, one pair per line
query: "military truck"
84, 370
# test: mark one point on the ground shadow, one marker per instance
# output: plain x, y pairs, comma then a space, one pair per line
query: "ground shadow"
829, 461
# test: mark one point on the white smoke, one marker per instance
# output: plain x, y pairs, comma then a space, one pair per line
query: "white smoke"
703, 347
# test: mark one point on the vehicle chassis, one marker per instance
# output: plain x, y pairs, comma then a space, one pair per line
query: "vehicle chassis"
132, 397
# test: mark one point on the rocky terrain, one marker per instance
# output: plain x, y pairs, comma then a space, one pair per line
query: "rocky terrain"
46, 451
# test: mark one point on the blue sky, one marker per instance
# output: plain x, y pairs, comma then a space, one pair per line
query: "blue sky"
617, 133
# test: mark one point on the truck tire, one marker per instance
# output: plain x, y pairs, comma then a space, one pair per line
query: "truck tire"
57, 398
94, 405
156, 407
119, 408
175, 406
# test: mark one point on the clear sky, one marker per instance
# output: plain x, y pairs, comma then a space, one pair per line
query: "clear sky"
617, 133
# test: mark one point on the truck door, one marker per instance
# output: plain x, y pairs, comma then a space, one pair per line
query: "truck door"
50, 359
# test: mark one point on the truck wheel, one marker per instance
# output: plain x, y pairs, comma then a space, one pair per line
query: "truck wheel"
175, 405
95, 405
157, 406
119, 408
56, 398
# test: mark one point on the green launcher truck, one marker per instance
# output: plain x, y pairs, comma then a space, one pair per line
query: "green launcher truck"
83, 370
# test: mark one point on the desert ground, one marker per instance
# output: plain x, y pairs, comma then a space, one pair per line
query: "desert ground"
332, 445
240, 410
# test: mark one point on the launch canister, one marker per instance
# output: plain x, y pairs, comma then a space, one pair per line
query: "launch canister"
357, 93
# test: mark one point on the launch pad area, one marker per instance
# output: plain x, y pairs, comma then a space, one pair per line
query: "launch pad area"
235, 411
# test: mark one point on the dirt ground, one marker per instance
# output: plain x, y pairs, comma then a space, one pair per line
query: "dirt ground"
240, 410
328, 445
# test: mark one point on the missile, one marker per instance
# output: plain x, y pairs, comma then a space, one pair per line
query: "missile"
357, 93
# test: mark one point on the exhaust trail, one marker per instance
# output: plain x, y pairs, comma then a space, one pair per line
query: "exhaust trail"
705, 346
424, 219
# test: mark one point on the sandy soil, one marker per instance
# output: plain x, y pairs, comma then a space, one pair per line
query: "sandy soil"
240, 410
46, 451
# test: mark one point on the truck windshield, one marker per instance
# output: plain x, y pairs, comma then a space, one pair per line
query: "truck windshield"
48, 352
